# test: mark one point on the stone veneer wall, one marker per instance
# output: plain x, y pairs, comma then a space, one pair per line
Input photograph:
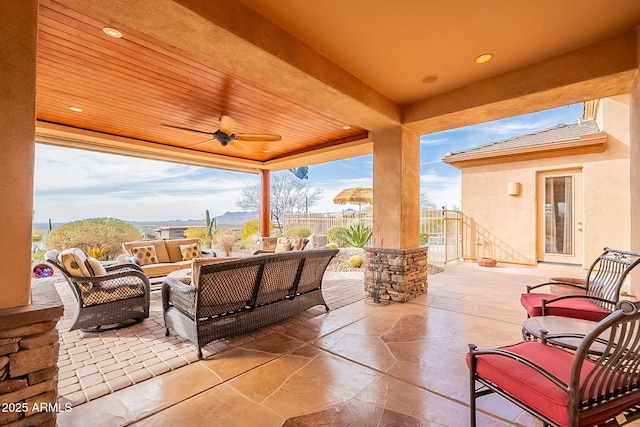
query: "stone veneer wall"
401, 273
28, 360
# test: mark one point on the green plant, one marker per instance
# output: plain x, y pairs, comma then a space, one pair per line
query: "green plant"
225, 240
356, 261
97, 251
424, 238
331, 245
336, 235
84, 234
209, 226
251, 228
198, 233
297, 231
357, 235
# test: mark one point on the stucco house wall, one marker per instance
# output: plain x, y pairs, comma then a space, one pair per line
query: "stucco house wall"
504, 227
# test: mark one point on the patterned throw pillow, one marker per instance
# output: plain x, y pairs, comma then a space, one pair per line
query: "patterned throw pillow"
283, 245
72, 260
94, 267
190, 251
297, 243
145, 254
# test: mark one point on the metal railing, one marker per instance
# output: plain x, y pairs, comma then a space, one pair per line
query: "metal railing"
440, 230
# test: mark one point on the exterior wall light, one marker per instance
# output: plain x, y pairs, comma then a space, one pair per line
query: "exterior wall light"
514, 188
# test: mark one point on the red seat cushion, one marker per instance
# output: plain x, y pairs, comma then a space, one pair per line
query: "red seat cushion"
528, 386
537, 392
578, 308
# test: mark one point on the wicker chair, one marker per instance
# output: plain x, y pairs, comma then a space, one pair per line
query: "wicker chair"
601, 290
116, 298
233, 297
564, 388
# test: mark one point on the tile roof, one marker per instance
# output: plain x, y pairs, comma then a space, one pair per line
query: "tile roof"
552, 135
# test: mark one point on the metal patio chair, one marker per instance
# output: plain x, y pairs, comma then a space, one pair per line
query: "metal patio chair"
602, 287
565, 388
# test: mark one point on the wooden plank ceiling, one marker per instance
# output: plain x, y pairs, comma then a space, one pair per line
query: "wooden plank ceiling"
137, 87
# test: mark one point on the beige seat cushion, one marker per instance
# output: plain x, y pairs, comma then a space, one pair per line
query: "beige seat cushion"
73, 260
164, 268
94, 266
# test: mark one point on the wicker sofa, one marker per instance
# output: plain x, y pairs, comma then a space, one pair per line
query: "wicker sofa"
168, 255
232, 297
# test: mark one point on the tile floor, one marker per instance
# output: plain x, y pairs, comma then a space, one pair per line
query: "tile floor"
360, 365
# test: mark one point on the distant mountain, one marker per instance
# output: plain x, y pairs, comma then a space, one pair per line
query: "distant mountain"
236, 218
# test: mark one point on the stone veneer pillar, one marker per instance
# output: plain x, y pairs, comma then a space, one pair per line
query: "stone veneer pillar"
28, 360
397, 275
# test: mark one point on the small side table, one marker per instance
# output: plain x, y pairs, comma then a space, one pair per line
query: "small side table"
532, 326
184, 275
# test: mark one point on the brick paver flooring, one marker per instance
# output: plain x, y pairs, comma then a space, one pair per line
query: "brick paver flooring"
95, 364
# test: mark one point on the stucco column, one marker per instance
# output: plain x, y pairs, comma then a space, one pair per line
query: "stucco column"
396, 188
634, 166
18, 32
396, 267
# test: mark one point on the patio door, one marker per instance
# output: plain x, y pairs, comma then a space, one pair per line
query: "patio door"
560, 228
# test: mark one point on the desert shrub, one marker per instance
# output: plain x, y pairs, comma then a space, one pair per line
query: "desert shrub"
336, 235
251, 228
297, 231
107, 233
356, 261
357, 235
199, 233
424, 238
225, 240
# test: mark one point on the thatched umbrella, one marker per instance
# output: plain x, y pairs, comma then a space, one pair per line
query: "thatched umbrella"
357, 195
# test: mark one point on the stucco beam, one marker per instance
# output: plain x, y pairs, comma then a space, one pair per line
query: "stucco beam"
602, 69
231, 37
359, 147
62, 136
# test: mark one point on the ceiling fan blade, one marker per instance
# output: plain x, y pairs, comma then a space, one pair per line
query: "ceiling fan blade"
257, 137
189, 129
227, 124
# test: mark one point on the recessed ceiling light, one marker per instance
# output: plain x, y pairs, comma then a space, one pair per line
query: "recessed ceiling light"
485, 57
265, 151
76, 109
346, 127
112, 32
430, 78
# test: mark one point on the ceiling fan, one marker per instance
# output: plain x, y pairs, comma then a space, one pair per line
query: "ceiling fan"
225, 134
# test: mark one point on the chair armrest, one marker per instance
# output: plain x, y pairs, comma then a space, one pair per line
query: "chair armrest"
573, 285
264, 251
127, 266
181, 296
563, 297
208, 253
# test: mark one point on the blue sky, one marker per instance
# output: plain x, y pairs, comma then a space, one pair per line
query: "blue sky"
75, 184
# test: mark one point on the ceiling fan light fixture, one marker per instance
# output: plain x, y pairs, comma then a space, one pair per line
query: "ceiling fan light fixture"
112, 32
484, 58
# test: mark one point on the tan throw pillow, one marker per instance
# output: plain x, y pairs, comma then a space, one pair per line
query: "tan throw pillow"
94, 267
145, 254
297, 243
283, 245
72, 260
190, 251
